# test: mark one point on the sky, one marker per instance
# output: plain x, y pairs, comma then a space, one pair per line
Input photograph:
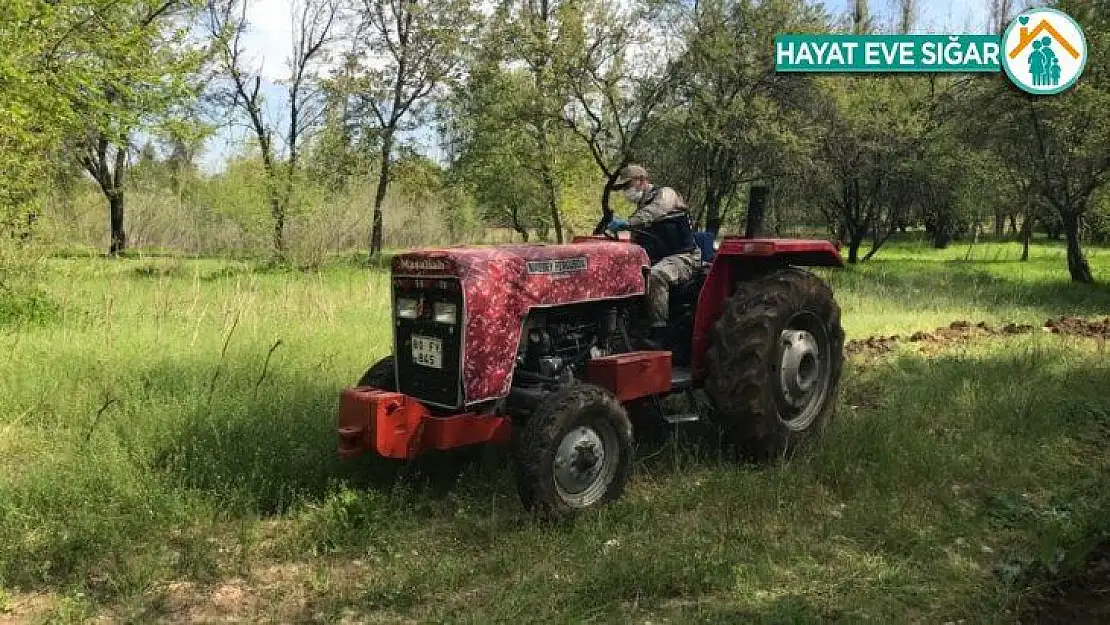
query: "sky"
268, 41
948, 16
270, 35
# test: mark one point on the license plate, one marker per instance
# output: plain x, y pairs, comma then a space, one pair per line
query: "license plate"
427, 351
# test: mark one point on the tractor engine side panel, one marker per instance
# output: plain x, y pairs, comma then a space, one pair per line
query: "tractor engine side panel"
502, 284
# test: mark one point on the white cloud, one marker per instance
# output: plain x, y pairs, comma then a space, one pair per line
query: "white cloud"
269, 37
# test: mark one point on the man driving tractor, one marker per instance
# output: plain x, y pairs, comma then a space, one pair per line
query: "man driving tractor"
661, 224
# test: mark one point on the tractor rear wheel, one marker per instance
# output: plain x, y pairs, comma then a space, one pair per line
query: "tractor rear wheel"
774, 362
380, 375
574, 453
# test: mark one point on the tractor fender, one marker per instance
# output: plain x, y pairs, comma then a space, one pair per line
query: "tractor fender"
738, 257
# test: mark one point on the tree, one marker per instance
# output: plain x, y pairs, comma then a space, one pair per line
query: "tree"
340, 152
862, 21
1063, 142
37, 114
79, 77
907, 15
499, 160
418, 47
543, 36
1000, 15
743, 119
143, 72
494, 156
872, 132
619, 76
314, 24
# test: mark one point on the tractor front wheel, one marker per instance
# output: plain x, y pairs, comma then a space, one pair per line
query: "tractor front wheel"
774, 362
380, 375
574, 453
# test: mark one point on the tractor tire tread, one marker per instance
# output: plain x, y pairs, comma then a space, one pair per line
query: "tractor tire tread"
380, 375
535, 443
742, 343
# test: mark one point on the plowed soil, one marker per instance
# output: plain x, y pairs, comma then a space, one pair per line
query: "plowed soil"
1079, 327
964, 331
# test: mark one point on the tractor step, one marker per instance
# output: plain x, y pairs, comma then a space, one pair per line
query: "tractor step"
689, 417
681, 378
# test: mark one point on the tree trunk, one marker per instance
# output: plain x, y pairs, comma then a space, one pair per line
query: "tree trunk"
999, 225
941, 238
115, 218
606, 208
277, 211
1026, 235
712, 211
1077, 263
876, 243
549, 183
1013, 223
854, 245
379, 196
942, 229
553, 203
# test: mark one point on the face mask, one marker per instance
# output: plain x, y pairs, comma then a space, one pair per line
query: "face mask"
633, 195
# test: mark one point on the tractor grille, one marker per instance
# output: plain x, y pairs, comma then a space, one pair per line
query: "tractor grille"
427, 350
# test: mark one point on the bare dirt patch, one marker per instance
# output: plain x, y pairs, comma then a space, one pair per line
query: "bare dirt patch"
1074, 326
935, 340
962, 331
27, 608
1083, 597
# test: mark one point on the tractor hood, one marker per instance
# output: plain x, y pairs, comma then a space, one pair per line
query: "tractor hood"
500, 285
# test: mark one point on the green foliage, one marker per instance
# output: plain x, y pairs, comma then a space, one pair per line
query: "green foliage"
26, 305
514, 154
1060, 145
738, 120
76, 78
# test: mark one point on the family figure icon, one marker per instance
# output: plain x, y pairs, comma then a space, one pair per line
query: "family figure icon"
1043, 64
1054, 46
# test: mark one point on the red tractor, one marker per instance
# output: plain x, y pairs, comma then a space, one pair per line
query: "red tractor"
536, 346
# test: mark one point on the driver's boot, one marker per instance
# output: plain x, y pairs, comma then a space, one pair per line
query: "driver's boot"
658, 339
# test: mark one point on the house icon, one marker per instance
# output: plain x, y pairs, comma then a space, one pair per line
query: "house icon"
1026, 37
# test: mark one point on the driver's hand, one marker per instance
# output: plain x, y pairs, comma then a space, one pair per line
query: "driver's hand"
616, 224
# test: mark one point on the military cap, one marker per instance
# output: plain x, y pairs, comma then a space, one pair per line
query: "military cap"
629, 173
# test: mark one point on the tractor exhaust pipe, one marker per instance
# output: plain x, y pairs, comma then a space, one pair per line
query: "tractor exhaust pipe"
757, 202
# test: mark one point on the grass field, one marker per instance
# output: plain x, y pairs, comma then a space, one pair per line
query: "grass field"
167, 452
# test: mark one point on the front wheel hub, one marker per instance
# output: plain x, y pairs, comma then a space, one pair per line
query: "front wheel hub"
582, 467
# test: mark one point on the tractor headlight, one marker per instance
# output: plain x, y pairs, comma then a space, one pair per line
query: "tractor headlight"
408, 308
445, 312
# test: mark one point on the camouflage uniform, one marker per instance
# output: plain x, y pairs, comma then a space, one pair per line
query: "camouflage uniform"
673, 269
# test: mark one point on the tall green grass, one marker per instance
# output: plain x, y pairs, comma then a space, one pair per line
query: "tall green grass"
167, 438
911, 287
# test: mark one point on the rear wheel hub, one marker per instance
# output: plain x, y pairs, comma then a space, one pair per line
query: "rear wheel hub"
803, 371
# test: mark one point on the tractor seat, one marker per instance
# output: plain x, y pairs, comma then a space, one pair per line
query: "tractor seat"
704, 241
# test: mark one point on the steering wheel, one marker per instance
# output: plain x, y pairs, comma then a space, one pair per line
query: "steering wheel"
603, 230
